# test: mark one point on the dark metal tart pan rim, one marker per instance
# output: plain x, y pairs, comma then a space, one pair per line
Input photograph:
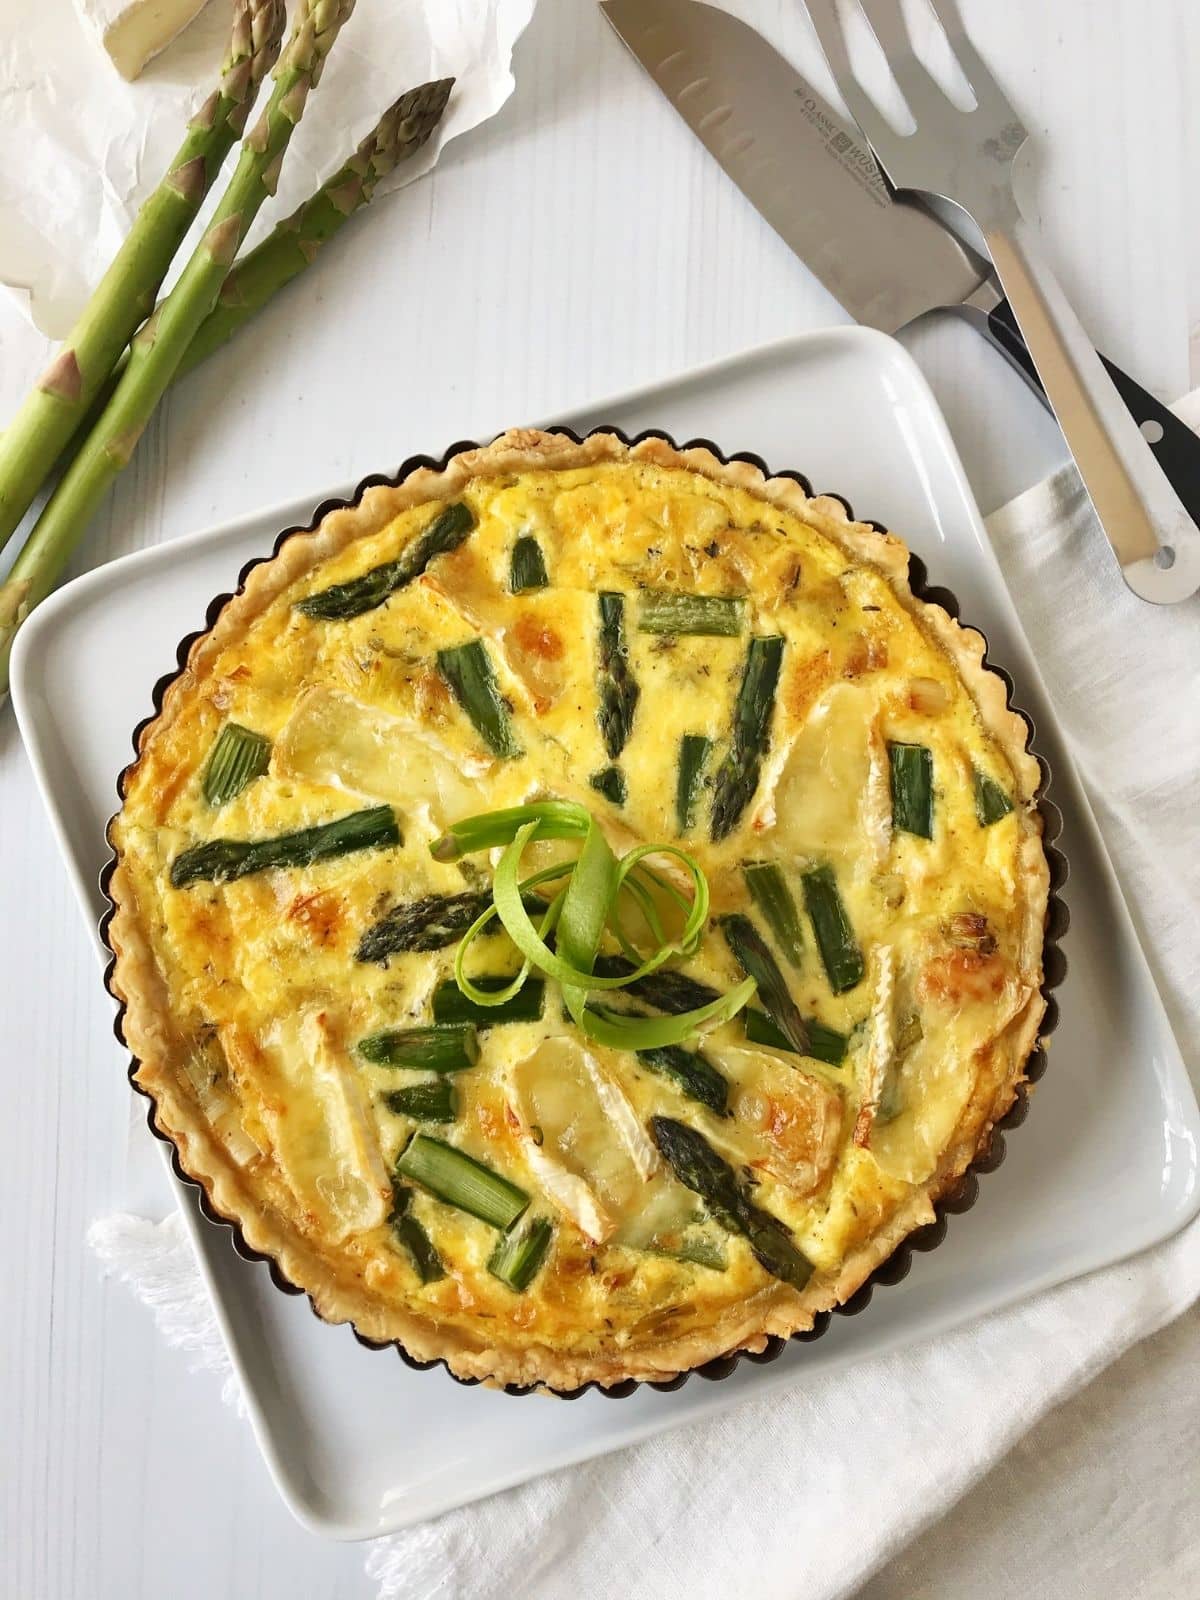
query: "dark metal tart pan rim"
961, 1197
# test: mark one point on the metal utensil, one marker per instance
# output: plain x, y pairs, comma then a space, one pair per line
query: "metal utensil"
812, 176
966, 158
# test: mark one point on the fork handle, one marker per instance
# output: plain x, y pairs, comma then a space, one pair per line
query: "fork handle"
1176, 448
1145, 521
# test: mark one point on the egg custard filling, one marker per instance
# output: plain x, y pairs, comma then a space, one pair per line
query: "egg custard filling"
576, 910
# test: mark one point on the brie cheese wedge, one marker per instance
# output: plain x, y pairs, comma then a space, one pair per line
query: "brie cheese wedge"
133, 32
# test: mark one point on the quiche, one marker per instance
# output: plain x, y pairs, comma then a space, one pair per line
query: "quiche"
576, 911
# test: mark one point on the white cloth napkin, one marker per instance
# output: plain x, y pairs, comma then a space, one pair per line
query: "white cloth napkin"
848, 1468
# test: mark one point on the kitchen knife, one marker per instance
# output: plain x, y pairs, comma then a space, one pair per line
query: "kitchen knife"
814, 179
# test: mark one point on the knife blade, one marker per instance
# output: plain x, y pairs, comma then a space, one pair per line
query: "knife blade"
813, 178
798, 164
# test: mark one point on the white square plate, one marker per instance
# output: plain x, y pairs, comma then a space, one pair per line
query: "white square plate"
360, 1445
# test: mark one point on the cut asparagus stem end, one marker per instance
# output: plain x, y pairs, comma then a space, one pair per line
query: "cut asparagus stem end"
434, 1101
238, 757
446, 1048
769, 890
519, 1254
840, 953
528, 566
669, 612
467, 670
912, 789
418, 1245
460, 1181
451, 1005
824, 1044
610, 782
694, 751
991, 802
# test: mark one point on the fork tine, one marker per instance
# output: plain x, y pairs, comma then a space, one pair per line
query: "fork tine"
827, 24
988, 93
917, 84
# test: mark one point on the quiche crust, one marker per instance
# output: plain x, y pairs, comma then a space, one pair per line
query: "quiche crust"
336, 1280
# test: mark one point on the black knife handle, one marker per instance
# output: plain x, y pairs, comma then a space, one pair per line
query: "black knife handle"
1176, 448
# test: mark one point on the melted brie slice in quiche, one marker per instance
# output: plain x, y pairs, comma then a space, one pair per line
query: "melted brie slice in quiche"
631, 1151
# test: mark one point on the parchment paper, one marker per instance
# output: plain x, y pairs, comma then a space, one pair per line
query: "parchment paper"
80, 148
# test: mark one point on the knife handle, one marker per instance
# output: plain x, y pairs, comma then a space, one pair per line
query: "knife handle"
1176, 448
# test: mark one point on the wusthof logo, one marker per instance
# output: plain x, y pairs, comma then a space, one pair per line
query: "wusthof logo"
854, 157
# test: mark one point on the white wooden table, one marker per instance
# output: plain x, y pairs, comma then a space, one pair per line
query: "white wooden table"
579, 244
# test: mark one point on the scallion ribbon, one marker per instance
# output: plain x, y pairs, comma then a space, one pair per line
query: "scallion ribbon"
578, 916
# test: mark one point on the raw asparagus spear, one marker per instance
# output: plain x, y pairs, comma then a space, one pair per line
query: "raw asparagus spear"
769, 890
519, 1254
238, 757
839, 949
468, 671
425, 1259
737, 776
124, 297
424, 1102
618, 690
696, 1164
364, 593
404, 127
666, 611
752, 954
160, 345
438, 1049
912, 789
450, 1004
824, 1044
222, 860
295, 242
528, 566
991, 802
460, 1180
668, 991
694, 751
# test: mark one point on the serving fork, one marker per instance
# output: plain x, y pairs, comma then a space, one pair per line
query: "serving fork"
966, 158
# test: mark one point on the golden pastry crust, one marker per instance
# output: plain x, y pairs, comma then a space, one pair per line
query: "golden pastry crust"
342, 1282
